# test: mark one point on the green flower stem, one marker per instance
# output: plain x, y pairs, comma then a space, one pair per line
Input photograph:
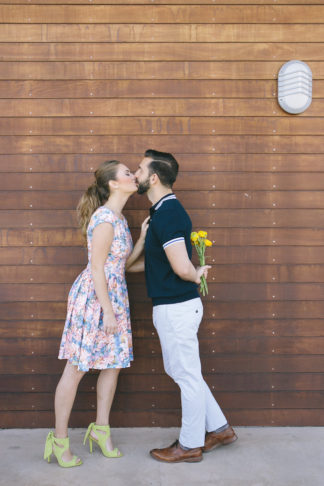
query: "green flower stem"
200, 247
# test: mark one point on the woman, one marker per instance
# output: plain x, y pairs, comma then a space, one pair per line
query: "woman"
97, 331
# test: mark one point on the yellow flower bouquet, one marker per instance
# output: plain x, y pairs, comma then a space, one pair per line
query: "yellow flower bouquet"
199, 240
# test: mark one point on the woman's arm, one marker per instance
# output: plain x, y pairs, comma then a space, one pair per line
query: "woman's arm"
137, 266
138, 248
102, 238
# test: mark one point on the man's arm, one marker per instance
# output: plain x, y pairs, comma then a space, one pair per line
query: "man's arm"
181, 265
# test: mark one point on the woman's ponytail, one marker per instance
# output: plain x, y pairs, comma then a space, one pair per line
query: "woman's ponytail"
97, 194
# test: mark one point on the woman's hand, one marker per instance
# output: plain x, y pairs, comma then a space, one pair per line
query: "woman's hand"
144, 228
138, 250
109, 323
202, 271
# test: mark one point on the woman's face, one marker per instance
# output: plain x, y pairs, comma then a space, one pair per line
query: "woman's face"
125, 179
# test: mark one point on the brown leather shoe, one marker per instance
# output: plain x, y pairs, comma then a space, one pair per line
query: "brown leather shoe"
213, 440
175, 453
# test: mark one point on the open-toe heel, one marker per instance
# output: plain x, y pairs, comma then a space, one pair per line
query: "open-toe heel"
102, 432
56, 446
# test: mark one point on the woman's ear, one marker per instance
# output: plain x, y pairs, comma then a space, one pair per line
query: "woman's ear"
113, 185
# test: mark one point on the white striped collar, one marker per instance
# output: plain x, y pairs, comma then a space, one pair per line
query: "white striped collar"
166, 198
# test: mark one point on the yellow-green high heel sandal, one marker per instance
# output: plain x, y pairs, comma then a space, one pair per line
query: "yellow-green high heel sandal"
56, 446
101, 441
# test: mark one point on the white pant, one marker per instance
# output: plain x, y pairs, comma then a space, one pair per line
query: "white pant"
177, 326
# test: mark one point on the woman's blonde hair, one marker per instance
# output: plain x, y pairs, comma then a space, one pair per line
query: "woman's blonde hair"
97, 194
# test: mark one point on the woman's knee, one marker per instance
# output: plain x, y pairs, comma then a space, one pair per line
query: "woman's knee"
72, 372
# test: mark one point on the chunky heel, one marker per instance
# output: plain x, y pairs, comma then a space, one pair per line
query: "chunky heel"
56, 446
101, 440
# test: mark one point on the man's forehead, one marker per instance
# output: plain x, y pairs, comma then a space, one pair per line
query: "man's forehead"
145, 162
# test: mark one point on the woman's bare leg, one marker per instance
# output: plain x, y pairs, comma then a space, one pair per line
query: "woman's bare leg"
64, 399
106, 387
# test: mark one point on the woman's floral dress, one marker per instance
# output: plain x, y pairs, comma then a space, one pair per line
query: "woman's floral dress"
84, 342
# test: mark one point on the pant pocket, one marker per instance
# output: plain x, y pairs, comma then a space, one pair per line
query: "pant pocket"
199, 311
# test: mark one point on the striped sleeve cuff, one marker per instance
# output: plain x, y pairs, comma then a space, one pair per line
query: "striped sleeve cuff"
171, 242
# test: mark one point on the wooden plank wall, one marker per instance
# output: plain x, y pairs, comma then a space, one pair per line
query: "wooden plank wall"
82, 81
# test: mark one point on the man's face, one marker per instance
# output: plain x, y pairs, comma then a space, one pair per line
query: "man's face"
142, 176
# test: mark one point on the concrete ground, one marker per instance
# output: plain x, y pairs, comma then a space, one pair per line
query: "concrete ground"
263, 456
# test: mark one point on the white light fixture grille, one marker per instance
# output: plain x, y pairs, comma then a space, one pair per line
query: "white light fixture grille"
295, 87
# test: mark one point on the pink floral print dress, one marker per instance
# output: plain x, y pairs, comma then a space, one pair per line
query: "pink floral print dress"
84, 342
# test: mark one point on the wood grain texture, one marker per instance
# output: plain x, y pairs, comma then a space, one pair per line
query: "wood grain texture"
165, 51
166, 400
159, 125
122, 143
220, 218
148, 70
83, 83
188, 181
161, 32
157, 2
197, 162
220, 273
127, 14
151, 88
204, 200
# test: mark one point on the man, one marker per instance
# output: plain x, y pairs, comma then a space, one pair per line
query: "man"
172, 282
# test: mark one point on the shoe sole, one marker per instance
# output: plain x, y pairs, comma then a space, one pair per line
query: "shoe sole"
224, 443
194, 459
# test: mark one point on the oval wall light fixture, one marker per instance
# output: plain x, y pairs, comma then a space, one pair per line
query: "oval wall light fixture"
295, 87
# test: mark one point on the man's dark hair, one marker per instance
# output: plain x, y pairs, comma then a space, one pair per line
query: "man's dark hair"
164, 165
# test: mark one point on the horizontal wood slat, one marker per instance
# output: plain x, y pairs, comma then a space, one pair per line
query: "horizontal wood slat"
291, 255
229, 328
221, 181
218, 382
213, 200
40, 374
161, 14
167, 400
245, 417
221, 218
148, 70
160, 126
220, 310
202, 162
157, 2
159, 51
220, 273
171, 418
224, 236
278, 346
144, 107
143, 88
233, 292
159, 32
210, 144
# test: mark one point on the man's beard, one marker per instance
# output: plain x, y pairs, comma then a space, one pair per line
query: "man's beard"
143, 187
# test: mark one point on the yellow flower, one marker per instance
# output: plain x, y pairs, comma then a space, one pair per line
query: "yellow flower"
208, 243
202, 234
194, 237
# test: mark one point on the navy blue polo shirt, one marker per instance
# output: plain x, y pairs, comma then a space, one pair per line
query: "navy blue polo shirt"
169, 223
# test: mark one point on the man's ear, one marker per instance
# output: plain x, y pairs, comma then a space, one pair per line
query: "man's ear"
154, 179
